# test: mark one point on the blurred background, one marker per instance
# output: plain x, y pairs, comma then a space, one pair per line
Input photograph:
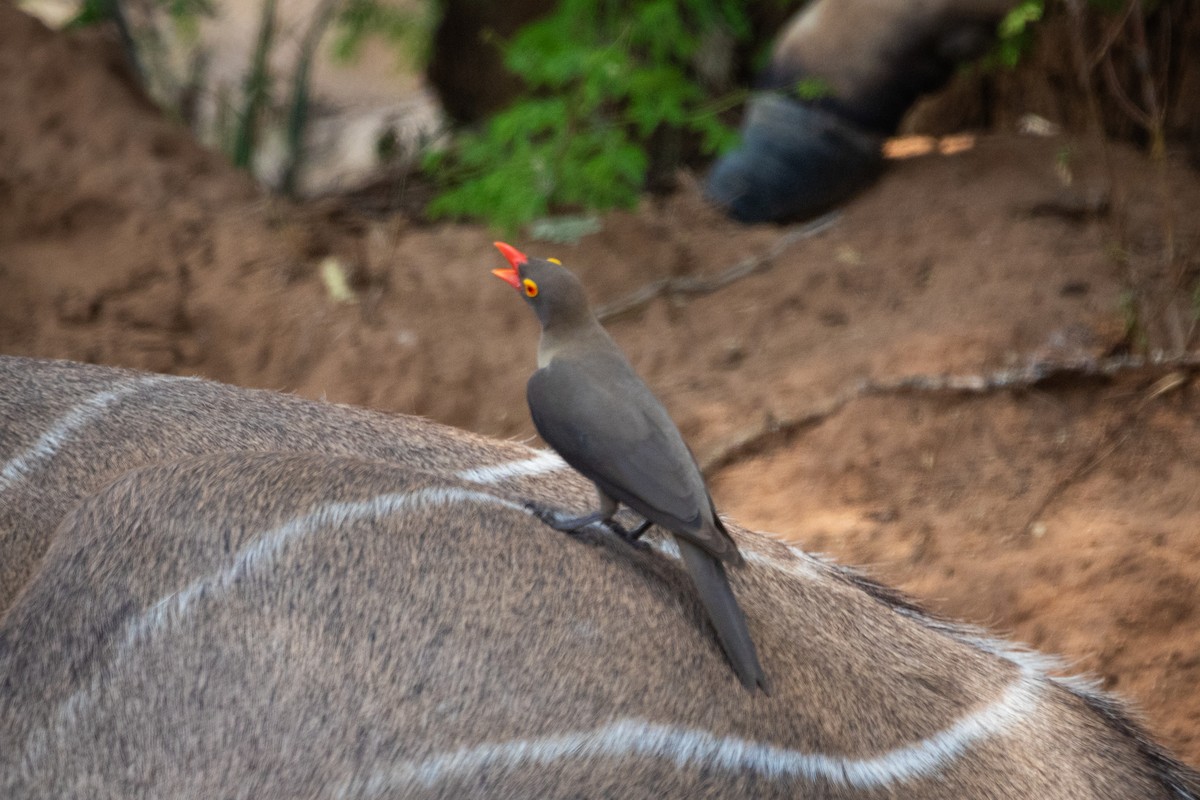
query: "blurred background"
973, 374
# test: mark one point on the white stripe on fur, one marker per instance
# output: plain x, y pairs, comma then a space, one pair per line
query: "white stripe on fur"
57, 434
543, 462
692, 748
622, 739
801, 565
174, 607
267, 547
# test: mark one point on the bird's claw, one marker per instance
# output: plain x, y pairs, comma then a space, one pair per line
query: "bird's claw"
559, 521
548, 516
642, 527
574, 526
631, 538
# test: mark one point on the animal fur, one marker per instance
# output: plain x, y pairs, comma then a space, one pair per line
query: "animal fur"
215, 592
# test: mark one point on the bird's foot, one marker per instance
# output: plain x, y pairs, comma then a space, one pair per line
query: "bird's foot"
574, 526
632, 538
642, 527
561, 522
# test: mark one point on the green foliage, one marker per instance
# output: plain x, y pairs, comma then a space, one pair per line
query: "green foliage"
1017, 21
91, 12
358, 20
182, 12
1015, 34
186, 14
239, 119
257, 83
812, 88
353, 22
602, 77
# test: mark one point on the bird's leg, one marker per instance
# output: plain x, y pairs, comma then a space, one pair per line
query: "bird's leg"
602, 516
637, 532
573, 525
557, 520
632, 538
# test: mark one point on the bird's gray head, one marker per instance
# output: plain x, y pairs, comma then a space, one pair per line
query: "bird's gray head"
557, 296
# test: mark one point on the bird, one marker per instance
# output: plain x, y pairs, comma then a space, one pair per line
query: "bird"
589, 405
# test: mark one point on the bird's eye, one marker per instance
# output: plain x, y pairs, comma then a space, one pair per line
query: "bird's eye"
530, 288
554, 261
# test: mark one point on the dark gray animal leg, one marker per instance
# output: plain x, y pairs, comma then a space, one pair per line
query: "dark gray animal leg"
572, 525
603, 516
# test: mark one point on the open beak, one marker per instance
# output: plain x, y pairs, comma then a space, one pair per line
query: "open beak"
515, 257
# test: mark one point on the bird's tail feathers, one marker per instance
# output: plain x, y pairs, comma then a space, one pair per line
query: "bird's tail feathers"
712, 585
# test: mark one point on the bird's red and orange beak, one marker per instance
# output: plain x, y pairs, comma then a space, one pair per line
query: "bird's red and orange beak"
515, 257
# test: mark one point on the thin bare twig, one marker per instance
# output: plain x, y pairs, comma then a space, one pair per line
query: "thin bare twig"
1149, 114
755, 439
1110, 38
1155, 109
688, 285
1083, 74
1111, 441
1118, 93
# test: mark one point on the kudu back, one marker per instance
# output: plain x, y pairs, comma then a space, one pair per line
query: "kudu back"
215, 592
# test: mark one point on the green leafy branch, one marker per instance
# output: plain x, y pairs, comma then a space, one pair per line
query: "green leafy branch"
603, 77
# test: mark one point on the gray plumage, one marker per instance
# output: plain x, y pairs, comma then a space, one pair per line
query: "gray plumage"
591, 407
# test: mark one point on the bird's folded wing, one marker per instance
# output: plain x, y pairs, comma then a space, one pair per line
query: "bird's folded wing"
608, 426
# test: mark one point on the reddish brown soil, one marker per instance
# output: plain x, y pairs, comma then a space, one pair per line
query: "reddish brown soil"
1065, 514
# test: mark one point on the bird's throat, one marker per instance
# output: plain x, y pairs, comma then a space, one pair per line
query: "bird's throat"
548, 347
585, 334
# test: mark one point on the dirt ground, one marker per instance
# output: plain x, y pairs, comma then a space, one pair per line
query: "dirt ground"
1062, 512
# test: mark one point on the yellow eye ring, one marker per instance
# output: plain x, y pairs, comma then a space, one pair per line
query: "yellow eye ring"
531, 289
554, 261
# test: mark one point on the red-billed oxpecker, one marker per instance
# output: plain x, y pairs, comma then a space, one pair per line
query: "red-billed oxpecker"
592, 408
